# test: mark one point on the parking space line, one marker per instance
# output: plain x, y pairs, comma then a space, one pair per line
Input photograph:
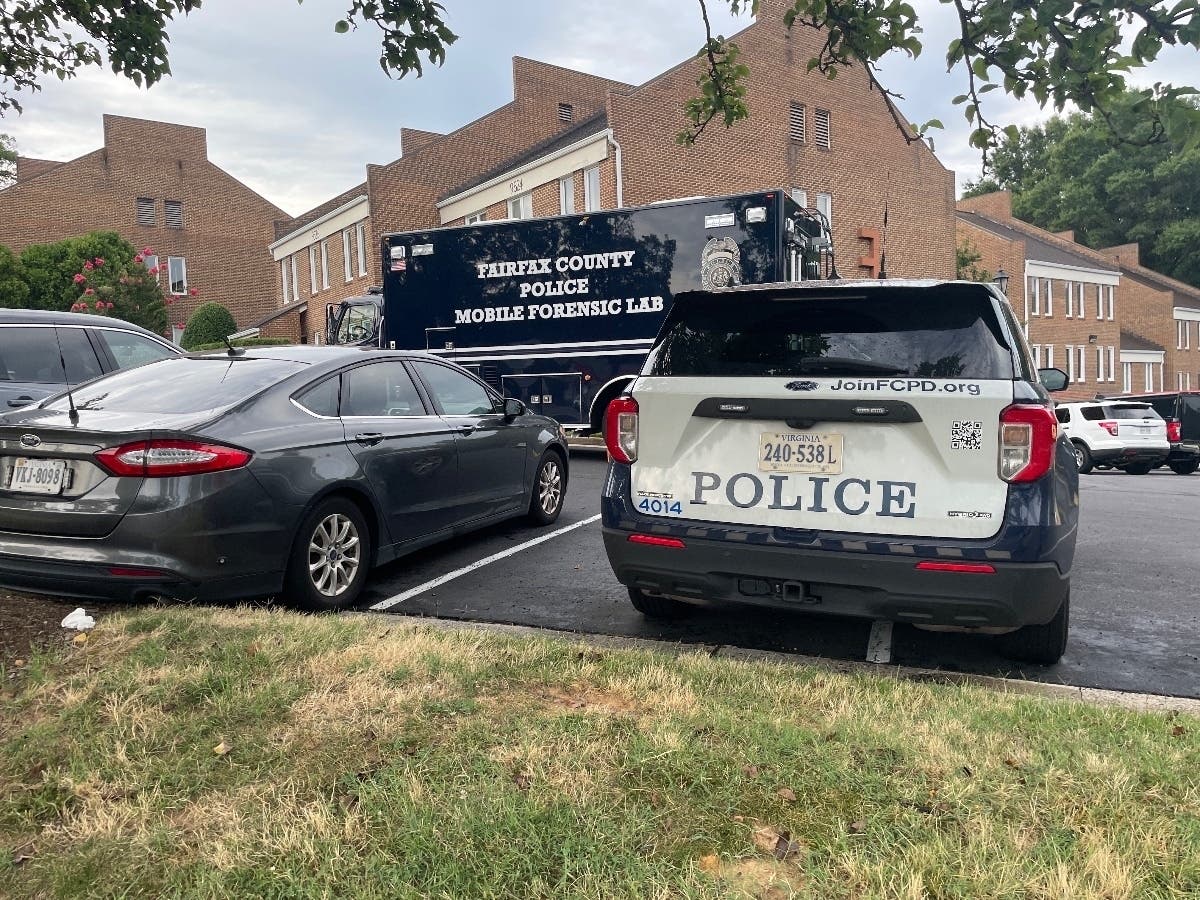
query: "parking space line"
397, 599
879, 644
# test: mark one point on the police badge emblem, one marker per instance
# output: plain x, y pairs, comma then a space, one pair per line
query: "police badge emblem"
720, 264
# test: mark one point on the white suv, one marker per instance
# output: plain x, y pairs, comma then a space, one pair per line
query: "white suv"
880, 449
1127, 435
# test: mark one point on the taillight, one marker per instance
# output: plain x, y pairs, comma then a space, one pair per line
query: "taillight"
1027, 437
1111, 427
162, 458
962, 568
1174, 431
654, 540
621, 429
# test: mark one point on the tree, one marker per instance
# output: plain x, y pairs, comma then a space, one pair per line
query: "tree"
966, 262
1074, 173
50, 269
123, 287
210, 323
1068, 51
8, 161
14, 290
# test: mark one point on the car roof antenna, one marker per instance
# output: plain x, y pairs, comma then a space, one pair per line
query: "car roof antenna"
234, 351
74, 413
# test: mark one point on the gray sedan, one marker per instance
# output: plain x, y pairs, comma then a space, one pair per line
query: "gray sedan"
282, 469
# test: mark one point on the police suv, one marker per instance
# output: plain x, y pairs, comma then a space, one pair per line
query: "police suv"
883, 449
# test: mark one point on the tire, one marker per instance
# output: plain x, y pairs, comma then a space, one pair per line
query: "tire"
549, 489
1138, 469
1083, 457
330, 557
1041, 644
663, 608
1185, 468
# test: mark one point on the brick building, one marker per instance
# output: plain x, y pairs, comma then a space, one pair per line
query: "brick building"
572, 142
1113, 325
152, 182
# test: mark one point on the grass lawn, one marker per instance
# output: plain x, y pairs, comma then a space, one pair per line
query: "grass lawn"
235, 753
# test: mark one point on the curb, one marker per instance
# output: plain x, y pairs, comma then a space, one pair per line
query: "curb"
1157, 703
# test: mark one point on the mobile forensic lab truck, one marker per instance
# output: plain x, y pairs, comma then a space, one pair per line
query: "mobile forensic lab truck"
560, 312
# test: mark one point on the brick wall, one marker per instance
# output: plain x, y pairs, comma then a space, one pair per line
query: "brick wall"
226, 226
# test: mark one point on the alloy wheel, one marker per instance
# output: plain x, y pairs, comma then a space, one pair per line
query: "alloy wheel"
1078, 456
334, 555
550, 486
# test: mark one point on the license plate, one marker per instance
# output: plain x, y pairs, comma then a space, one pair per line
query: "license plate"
37, 476
800, 451
1146, 429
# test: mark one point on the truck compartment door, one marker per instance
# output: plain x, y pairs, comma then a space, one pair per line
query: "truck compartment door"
561, 398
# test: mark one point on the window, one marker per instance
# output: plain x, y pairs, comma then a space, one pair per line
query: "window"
1126, 377
145, 210
825, 208
1112, 294
295, 278
31, 354
821, 128
801, 197
312, 269
381, 389
173, 210
346, 251
457, 394
177, 274
521, 207
1179, 381
1149, 376
1092, 413
566, 112
1099, 301
1112, 364
473, 218
283, 277
1037, 355
324, 264
1083, 363
1048, 293
129, 349
1071, 362
796, 123
1071, 301
361, 228
591, 189
1099, 364
1063, 415
359, 323
1049, 356
322, 399
151, 264
566, 195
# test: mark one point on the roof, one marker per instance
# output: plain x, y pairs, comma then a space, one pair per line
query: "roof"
572, 135
1037, 249
298, 306
1183, 294
50, 317
284, 227
1131, 341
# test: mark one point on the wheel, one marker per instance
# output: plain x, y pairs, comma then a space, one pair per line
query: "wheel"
1041, 644
659, 607
549, 489
1083, 457
1138, 469
330, 557
1185, 468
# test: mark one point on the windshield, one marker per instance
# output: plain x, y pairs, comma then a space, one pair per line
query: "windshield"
927, 334
181, 385
358, 323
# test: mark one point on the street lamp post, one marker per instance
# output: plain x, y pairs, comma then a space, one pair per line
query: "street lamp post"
1001, 281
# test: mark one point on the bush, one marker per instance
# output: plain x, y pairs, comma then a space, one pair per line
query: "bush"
241, 342
211, 323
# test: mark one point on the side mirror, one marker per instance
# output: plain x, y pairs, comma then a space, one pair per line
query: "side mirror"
1053, 379
513, 408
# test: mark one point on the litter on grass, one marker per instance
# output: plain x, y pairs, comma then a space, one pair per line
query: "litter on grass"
79, 620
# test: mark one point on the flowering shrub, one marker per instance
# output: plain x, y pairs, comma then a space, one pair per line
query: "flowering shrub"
124, 289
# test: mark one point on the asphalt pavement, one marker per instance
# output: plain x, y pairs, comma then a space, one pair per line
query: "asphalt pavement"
1134, 598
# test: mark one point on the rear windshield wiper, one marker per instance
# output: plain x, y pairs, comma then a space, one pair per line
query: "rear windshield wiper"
849, 366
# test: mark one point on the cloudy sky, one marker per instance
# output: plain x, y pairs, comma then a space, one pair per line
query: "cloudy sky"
296, 111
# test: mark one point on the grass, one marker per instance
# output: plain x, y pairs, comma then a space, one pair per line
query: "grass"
397, 760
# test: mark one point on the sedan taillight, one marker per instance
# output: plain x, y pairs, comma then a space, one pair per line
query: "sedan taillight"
163, 458
1028, 434
621, 429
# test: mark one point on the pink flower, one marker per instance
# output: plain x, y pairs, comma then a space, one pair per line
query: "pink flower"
99, 304
139, 258
154, 270
99, 261
180, 324
195, 292
147, 251
88, 265
109, 305
89, 292
80, 278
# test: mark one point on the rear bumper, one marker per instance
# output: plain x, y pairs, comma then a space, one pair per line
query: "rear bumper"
851, 584
1122, 456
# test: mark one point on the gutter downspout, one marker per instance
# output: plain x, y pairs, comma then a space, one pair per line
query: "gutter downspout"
620, 172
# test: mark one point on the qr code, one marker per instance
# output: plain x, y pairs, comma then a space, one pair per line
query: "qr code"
966, 436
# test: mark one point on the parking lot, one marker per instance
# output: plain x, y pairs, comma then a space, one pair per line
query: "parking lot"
1134, 613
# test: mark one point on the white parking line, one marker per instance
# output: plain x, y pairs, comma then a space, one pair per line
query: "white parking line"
387, 604
879, 644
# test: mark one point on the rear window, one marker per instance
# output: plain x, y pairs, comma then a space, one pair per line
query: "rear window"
1131, 411
32, 355
938, 333
182, 385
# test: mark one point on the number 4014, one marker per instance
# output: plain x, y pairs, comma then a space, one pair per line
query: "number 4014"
661, 507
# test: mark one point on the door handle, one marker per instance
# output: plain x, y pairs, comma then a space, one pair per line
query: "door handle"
20, 401
369, 437
467, 429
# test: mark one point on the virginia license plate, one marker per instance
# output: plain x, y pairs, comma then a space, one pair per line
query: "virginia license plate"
37, 476
800, 451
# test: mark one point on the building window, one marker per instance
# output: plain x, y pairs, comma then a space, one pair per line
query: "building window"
151, 264
1112, 293
145, 210
1034, 292
1048, 287
566, 195
1149, 376
591, 189
312, 269
1127, 378
1083, 363
177, 274
825, 208
1037, 355
796, 123
821, 128
283, 277
1049, 356
1179, 381
474, 217
1099, 301
295, 277
521, 207
1112, 364
566, 112
173, 213
1071, 362
1099, 364
801, 198
324, 264
361, 229
347, 268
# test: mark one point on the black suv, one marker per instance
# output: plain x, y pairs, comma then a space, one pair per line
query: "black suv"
31, 341
1181, 409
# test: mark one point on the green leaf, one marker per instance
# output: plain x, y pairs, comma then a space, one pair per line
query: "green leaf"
341, 26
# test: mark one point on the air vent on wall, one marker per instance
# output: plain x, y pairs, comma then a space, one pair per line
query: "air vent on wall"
174, 213
822, 128
145, 210
566, 112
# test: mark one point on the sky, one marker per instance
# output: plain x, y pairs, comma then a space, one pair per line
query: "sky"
296, 111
